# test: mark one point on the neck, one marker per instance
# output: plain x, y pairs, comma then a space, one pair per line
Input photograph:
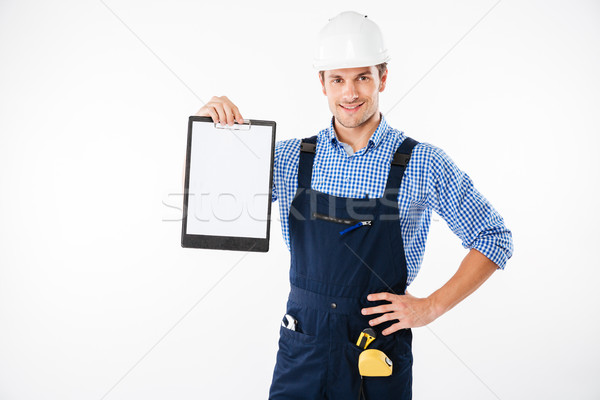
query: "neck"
359, 136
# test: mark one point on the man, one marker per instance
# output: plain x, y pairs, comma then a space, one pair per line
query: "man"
355, 203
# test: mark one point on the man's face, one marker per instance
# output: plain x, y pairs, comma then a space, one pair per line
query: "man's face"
353, 94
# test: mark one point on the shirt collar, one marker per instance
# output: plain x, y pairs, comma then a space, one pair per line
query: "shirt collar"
374, 140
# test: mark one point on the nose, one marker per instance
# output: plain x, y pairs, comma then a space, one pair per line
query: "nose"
349, 93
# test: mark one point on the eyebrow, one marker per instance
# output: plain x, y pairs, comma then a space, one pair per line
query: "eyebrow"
361, 74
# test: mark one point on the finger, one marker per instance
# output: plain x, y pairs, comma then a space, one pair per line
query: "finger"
238, 116
380, 296
378, 309
384, 318
221, 113
203, 112
213, 114
394, 328
229, 113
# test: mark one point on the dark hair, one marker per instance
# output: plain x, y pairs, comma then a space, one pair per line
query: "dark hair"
380, 68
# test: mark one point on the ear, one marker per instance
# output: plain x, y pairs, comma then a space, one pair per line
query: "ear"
322, 84
383, 81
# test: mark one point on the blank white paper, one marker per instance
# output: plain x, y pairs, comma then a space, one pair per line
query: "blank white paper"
229, 181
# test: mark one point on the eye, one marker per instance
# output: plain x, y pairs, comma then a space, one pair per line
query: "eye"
364, 78
336, 80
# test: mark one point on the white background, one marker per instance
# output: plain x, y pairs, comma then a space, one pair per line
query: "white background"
99, 301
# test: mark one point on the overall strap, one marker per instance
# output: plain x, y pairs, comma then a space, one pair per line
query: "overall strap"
399, 163
308, 148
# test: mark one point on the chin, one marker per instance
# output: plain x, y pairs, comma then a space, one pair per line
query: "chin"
351, 122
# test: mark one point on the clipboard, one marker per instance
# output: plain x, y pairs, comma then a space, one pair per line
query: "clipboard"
228, 185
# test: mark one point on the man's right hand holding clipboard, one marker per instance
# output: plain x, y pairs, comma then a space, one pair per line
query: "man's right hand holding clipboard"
221, 110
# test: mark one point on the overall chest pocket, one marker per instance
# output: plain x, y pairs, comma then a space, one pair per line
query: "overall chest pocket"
357, 250
346, 224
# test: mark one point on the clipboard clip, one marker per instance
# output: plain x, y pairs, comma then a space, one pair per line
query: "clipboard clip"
246, 126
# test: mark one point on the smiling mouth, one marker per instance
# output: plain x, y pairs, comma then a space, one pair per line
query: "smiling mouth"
351, 107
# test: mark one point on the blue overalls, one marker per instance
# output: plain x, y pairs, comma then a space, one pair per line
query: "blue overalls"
331, 275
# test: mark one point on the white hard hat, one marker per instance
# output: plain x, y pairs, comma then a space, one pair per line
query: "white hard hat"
349, 40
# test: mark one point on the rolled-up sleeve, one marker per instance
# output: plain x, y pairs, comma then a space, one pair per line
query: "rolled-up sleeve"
451, 194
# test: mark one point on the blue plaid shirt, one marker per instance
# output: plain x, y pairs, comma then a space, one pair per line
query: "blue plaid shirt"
431, 182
